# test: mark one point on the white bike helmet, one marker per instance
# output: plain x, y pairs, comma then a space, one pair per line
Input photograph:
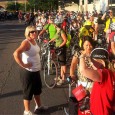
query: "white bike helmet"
112, 26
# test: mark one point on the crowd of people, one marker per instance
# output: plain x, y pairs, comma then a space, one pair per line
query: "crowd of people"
90, 63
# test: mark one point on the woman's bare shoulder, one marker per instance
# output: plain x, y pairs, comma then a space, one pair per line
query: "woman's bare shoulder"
25, 44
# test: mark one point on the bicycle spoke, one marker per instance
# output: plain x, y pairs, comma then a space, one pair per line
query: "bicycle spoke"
50, 74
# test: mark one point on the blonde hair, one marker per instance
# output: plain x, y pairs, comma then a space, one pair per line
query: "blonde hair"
28, 30
111, 67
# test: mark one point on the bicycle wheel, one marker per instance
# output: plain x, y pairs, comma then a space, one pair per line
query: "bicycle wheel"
43, 61
50, 74
68, 54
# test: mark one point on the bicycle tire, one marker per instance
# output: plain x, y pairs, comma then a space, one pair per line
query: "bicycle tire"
43, 61
51, 78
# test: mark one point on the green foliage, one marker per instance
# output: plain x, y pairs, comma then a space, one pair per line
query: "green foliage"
11, 6
90, 1
43, 4
76, 1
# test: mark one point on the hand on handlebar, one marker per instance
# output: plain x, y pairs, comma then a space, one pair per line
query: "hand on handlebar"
72, 78
57, 48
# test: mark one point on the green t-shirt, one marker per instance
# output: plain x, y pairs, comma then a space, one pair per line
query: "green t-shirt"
58, 38
51, 30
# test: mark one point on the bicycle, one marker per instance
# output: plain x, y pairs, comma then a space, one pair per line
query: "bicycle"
50, 67
76, 107
50, 64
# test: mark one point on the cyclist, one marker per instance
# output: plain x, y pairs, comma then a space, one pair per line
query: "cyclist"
102, 98
112, 38
87, 47
39, 25
49, 27
32, 19
20, 16
86, 30
60, 43
26, 18
43, 19
65, 24
99, 25
109, 19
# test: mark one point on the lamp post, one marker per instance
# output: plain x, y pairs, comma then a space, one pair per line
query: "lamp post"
34, 8
25, 5
15, 5
80, 5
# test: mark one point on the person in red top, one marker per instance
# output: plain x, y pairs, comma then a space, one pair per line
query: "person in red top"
64, 25
20, 16
102, 98
112, 38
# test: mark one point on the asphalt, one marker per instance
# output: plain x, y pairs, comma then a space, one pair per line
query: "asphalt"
11, 100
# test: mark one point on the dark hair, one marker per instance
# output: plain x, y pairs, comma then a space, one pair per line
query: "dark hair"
89, 39
59, 25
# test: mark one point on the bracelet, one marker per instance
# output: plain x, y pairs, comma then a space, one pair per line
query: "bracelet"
83, 57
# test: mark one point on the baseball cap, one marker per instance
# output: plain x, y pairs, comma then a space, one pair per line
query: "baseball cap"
100, 53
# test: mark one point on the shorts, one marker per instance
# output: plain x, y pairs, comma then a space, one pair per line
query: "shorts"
31, 83
62, 57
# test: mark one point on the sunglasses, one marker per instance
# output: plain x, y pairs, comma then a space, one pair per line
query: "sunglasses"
32, 32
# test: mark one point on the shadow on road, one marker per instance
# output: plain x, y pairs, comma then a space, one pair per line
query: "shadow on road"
11, 94
58, 110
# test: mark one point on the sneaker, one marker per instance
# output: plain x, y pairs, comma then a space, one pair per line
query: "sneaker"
60, 82
27, 113
58, 78
40, 109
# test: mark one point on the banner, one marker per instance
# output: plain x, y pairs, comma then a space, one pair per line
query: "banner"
103, 5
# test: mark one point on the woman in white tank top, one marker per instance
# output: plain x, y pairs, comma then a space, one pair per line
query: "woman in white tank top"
27, 56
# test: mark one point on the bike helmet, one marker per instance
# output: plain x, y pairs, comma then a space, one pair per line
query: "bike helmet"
87, 23
112, 26
99, 53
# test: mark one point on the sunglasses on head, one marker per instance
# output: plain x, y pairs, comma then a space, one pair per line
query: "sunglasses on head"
32, 31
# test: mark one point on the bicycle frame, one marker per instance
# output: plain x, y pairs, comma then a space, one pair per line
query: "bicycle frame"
49, 59
50, 68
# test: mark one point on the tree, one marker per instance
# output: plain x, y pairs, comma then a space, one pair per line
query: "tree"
11, 6
43, 4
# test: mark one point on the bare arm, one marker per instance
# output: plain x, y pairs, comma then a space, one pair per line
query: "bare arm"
113, 47
103, 17
73, 66
41, 33
87, 72
17, 54
53, 39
